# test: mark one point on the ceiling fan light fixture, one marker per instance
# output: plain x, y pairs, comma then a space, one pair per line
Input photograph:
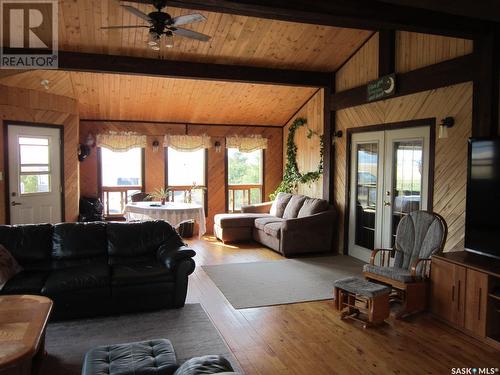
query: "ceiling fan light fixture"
154, 39
169, 40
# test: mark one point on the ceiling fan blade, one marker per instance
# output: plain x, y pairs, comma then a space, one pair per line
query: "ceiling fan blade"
137, 12
124, 27
190, 18
191, 34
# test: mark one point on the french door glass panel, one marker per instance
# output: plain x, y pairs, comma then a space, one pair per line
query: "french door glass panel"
389, 178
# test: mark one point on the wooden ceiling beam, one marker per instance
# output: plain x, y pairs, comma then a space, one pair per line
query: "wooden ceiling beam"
98, 63
360, 14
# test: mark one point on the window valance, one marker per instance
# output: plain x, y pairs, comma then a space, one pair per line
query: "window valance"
247, 144
121, 141
187, 142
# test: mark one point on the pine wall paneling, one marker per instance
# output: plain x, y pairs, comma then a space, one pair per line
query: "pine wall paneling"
37, 107
155, 162
416, 50
450, 175
308, 149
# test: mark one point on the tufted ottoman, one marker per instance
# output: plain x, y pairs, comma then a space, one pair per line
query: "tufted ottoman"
152, 357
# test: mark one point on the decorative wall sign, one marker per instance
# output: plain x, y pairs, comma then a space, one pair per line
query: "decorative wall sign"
381, 88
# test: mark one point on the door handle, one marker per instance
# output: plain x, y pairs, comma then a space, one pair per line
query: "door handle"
386, 203
15, 203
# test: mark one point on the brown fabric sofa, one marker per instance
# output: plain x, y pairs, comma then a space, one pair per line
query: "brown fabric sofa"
292, 224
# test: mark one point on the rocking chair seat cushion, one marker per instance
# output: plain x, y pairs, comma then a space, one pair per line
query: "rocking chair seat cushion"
394, 273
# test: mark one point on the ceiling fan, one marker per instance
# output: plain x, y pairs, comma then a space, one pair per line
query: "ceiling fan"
161, 24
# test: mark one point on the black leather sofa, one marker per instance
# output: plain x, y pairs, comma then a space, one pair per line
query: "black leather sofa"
100, 268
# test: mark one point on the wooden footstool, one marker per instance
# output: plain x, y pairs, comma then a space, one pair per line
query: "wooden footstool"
355, 296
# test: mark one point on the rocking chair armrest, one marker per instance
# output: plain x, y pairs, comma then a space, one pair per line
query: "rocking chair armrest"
376, 251
415, 265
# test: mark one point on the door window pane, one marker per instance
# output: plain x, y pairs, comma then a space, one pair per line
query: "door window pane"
244, 168
186, 168
366, 194
31, 184
407, 180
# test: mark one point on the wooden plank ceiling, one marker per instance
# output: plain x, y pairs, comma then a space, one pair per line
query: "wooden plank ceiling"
236, 40
130, 97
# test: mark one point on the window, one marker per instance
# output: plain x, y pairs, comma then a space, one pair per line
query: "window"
121, 176
34, 173
184, 169
244, 178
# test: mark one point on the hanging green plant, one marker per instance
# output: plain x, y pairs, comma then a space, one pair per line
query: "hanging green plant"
292, 176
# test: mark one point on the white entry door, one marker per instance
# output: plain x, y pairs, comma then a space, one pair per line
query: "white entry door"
34, 174
389, 179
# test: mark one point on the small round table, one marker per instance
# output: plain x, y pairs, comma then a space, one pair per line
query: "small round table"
172, 212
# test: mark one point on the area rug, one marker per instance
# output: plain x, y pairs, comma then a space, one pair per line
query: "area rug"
280, 282
189, 329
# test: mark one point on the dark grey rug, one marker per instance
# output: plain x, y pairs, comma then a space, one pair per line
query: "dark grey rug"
280, 282
189, 329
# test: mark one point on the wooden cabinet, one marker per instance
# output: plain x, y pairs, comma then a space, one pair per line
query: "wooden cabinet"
448, 291
464, 292
476, 302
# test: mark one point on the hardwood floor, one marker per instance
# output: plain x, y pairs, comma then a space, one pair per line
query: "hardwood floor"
310, 338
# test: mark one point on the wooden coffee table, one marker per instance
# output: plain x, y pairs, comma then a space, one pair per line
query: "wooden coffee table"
23, 319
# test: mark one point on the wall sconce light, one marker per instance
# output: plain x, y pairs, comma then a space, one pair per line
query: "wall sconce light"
218, 146
446, 123
90, 140
156, 145
337, 134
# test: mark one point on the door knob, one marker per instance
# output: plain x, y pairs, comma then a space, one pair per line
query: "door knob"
15, 203
386, 203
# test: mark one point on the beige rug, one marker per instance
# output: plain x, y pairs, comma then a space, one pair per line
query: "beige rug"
280, 282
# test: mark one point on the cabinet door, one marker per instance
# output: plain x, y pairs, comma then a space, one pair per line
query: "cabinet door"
476, 302
448, 291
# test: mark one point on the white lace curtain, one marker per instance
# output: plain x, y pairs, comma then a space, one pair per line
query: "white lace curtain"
121, 141
247, 144
187, 142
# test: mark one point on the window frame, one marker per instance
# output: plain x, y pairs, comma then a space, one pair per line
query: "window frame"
101, 189
182, 187
228, 187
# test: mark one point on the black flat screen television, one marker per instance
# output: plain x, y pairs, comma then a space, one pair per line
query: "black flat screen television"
482, 226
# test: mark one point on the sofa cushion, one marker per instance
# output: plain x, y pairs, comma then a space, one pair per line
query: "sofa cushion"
312, 206
77, 278
142, 238
293, 207
26, 282
151, 357
79, 240
8, 266
273, 229
279, 204
209, 364
237, 220
261, 222
393, 273
29, 243
140, 273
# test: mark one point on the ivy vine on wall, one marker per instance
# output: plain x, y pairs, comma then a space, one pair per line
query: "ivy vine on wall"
292, 176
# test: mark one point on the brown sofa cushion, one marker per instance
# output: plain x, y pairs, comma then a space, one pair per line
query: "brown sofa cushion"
312, 206
273, 229
293, 207
279, 204
237, 220
261, 222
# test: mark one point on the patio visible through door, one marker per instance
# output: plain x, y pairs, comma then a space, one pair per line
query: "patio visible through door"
389, 177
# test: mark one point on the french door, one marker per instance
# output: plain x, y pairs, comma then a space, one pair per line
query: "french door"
389, 177
34, 174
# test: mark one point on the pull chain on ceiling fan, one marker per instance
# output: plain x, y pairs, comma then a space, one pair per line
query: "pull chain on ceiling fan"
162, 26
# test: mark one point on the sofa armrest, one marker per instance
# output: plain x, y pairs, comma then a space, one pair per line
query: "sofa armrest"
260, 208
171, 257
309, 222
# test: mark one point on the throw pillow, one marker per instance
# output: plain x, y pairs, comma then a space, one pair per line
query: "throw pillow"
8, 266
293, 207
312, 206
209, 364
279, 204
